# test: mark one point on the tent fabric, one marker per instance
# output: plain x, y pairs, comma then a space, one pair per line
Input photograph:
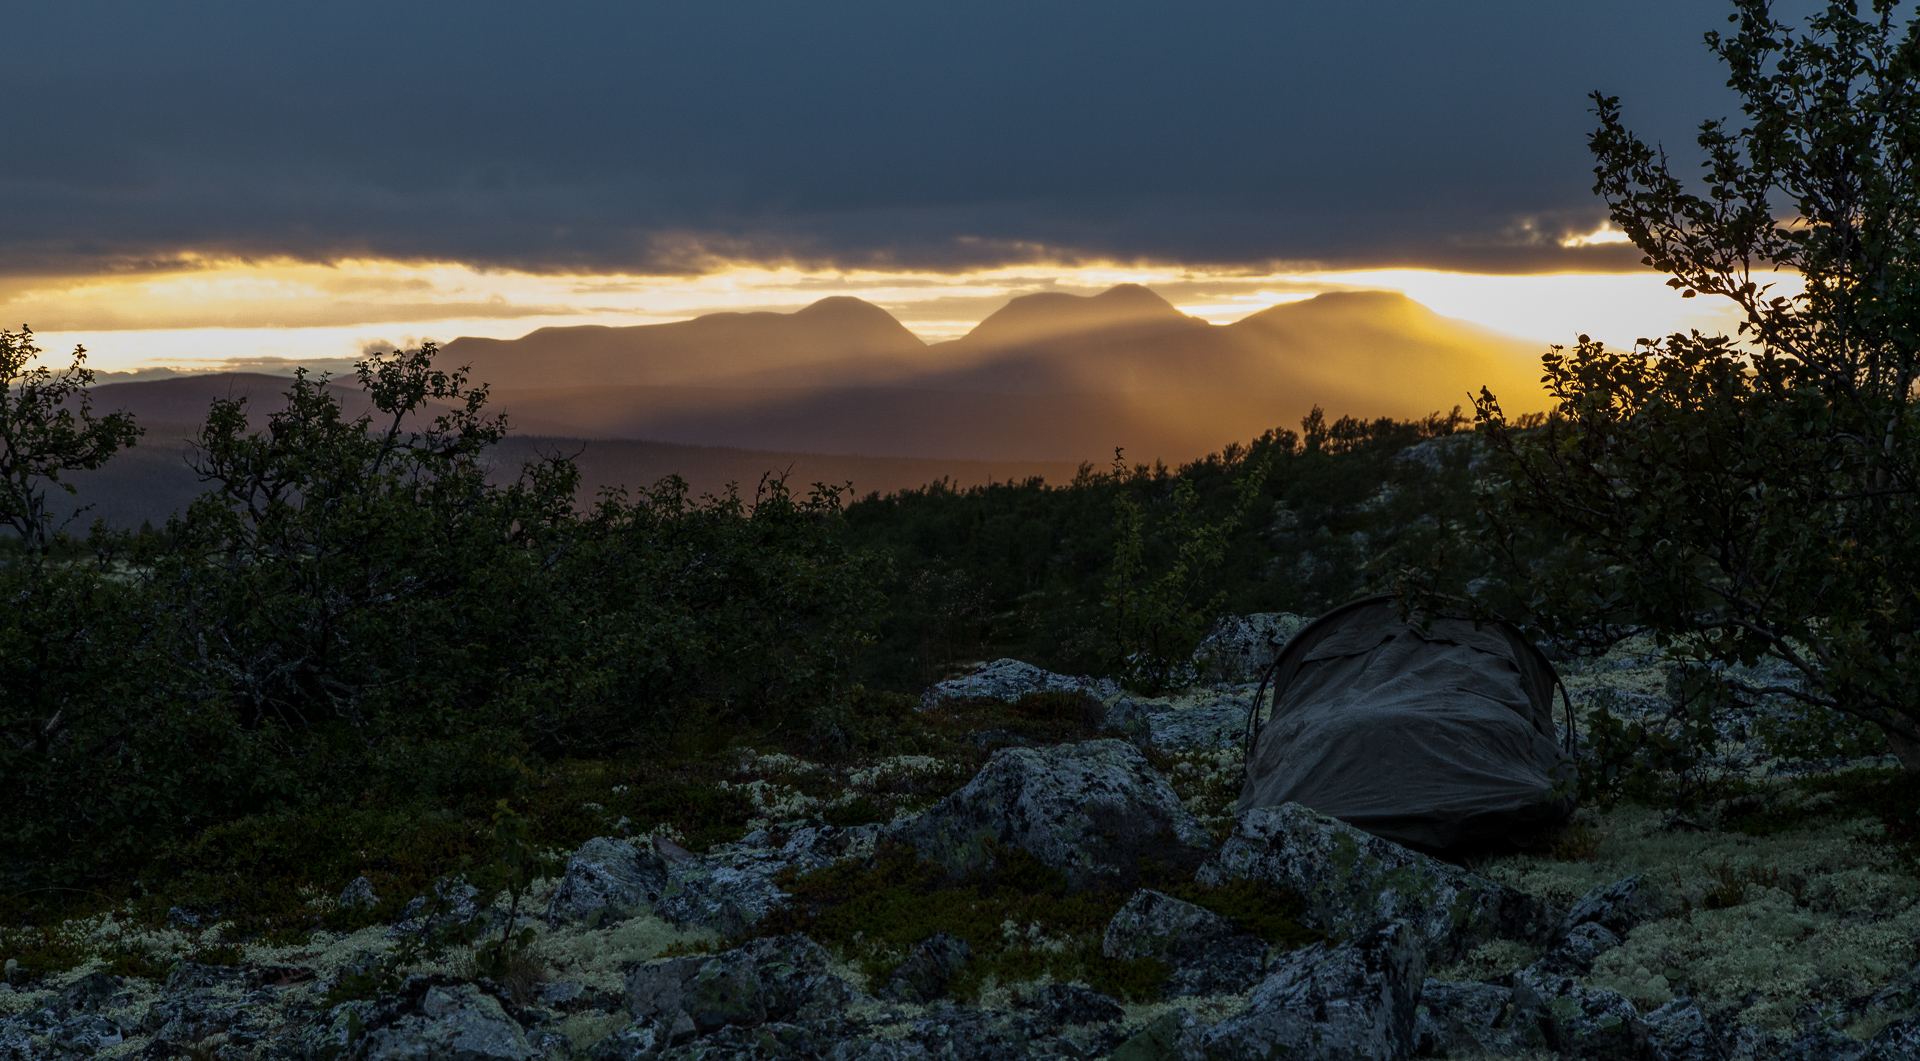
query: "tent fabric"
1436, 739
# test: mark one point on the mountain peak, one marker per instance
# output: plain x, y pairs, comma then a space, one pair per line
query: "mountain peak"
1030, 318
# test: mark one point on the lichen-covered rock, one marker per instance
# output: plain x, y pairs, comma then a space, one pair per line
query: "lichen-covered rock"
1073, 1004
731, 887
1680, 1032
454, 902
1009, 680
1173, 1036
1131, 721
782, 978
1470, 1020
608, 880
1095, 811
1239, 648
1616, 907
1580, 1021
1205, 953
925, 974
85, 1035
1583, 946
1351, 880
444, 1022
1351, 1001
1213, 722
1901, 1039
358, 894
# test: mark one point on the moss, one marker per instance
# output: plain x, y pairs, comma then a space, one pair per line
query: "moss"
1021, 919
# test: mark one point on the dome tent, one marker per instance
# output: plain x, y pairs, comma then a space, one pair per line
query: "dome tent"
1439, 738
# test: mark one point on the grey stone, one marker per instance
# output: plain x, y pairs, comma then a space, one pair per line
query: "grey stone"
193, 976
454, 1023
1009, 680
1219, 722
89, 994
1130, 721
1616, 907
1580, 949
1239, 648
1355, 1000
731, 887
1580, 1021
87, 1034
782, 978
1680, 1032
1074, 1004
608, 880
1205, 954
646, 1037
567, 996
1901, 1040
1174, 1036
1469, 1020
1351, 880
1095, 811
928, 970
358, 894
455, 902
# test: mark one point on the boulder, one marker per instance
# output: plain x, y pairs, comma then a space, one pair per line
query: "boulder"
1680, 1032
1095, 811
1059, 1004
449, 1022
781, 978
608, 880
1239, 647
925, 974
358, 894
454, 902
1009, 680
1130, 721
1579, 950
1616, 907
1901, 1039
1352, 880
1173, 1036
1470, 1020
1580, 1021
1206, 954
732, 886
1351, 1001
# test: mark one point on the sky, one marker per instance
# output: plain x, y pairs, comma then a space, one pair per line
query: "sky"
229, 184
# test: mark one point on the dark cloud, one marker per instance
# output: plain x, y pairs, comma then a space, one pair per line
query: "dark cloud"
657, 136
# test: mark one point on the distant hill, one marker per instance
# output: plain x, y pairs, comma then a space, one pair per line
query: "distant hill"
1048, 377
1046, 382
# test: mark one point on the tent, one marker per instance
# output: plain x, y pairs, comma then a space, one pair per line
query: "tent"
1440, 739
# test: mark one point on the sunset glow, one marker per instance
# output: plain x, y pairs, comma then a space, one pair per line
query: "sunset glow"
263, 315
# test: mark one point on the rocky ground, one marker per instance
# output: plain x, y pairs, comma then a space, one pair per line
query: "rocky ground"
1780, 924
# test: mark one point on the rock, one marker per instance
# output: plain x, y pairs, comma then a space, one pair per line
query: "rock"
1583, 946
782, 978
1095, 811
1205, 953
1616, 907
1469, 1020
454, 903
1354, 1000
1352, 880
608, 880
925, 974
1213, 723
1174, 1036
969, 1034
1239, 648
1130, 721
86, 1035
193, 976
1580, 1021
1901, 1039
358, 895
1072, 1004
732, 887
567, 996
1679, 1032
454, 1022
1009, 680
1824, 1044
